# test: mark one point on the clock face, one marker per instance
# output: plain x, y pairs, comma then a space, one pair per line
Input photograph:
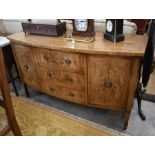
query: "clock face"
81, 24
109, 25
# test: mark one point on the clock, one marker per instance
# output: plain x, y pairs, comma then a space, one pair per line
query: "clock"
109, 26
83, 27
114, 30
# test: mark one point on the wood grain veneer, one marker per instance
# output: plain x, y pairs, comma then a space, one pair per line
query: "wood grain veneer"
134, 45
101, 74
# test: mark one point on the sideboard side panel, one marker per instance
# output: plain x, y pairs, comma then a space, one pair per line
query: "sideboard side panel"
26, 64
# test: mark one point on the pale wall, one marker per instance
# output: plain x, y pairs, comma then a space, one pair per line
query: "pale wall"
13, 26
2, 29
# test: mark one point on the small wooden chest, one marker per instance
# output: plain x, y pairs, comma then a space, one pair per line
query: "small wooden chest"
51, 29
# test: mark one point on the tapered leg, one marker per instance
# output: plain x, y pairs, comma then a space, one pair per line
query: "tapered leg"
26, 90
12, 81
17, 72
126, 119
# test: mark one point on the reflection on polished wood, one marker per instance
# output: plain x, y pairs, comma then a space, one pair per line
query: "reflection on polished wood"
134, 45
101, 73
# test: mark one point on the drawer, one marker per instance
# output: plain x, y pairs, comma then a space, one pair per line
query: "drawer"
60, 60
73, 95
64, 78
52, 89
68, 94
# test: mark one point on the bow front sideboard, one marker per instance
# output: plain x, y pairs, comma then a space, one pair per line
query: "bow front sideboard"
101, 73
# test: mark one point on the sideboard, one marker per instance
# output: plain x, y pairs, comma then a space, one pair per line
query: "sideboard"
101, 73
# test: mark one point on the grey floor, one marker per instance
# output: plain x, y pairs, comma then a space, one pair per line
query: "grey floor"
109, 118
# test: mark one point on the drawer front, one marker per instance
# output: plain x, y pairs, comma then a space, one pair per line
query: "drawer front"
52, 89
108, 81
68, 94
64, 78
73, 95
60, 60
26, 64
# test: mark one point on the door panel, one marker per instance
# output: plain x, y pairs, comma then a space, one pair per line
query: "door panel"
108, 81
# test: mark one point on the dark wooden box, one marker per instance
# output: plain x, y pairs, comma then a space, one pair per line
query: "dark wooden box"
53, 29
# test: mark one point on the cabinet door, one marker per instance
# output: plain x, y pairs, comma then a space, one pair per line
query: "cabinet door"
25, 61
108, 81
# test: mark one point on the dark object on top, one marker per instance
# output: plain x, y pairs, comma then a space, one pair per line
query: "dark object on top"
55, 29
141, 25
114, 30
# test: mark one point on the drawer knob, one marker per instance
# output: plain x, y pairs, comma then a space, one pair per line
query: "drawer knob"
26, 67
46, 57
71, 94
68, 62
67, 78
49, 75
51, 89
108, 84
70, 79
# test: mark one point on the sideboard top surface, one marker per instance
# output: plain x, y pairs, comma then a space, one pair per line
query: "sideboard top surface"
133, 45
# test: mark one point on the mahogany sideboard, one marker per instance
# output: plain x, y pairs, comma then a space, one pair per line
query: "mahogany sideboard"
101, 73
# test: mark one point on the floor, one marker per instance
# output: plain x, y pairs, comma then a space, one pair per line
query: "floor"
109, 118
35, 119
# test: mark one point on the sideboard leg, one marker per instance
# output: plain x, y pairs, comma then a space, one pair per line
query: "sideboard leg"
126, 119
26, 90
13, 81
17, 72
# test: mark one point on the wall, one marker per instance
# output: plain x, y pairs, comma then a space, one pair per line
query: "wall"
13, 26
2, 29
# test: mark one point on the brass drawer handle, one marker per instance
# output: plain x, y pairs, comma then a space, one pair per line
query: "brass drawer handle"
26, 67
51, 89
46, 57
71, 94
68, 62
49, 75
70, 79
67, 78
108, 84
